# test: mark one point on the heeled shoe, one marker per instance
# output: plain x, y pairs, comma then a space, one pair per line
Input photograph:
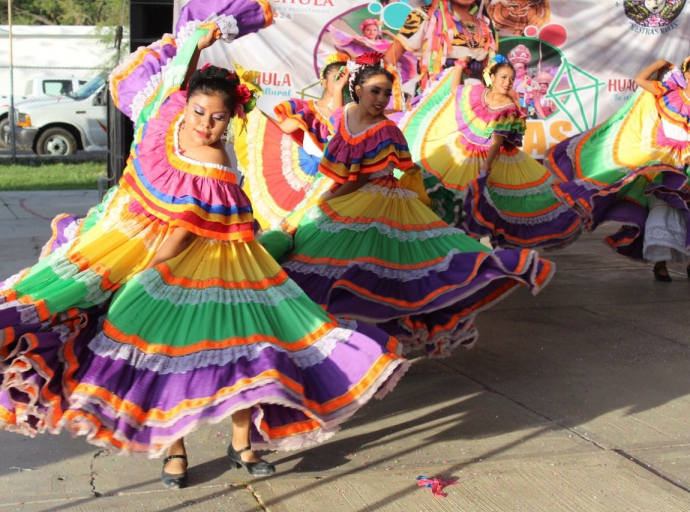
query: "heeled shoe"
663, 278
261, 468
177, 481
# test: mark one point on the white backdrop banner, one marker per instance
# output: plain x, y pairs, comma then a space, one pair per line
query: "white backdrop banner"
583, 54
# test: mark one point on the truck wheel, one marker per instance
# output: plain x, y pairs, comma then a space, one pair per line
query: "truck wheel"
4, 144
56, 142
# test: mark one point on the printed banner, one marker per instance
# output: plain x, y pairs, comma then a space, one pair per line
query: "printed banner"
576, 60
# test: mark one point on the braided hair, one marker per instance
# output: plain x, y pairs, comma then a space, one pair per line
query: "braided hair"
362, 74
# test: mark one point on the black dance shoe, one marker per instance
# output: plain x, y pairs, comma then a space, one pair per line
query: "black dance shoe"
261, 468
178, 481
661, 277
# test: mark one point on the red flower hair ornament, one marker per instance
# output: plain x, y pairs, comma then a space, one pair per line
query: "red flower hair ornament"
244, 90
369, 59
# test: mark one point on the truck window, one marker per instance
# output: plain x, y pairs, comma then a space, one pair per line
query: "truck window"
57, 87
89, 88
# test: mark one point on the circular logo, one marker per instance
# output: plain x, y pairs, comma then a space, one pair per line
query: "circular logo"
653, 13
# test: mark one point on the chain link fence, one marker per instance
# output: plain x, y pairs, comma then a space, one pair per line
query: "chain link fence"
59, 112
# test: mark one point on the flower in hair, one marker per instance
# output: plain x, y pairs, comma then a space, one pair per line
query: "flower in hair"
242, 94
337, 57
247, 92
498, 58
249, 78
369, 59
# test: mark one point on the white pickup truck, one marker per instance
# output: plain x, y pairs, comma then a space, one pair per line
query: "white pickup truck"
39, 87
61, 126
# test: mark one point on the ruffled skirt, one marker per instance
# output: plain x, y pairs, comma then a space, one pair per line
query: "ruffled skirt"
279, 173
219, 328
612, 172
379, 255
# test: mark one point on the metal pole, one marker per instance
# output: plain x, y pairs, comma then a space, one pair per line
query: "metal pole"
11, 114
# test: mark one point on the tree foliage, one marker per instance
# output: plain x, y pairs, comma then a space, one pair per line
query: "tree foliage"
66, 12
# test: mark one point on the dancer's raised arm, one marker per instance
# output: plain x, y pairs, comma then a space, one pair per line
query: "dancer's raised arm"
644, 78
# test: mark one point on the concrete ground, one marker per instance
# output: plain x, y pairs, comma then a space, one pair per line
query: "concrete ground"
574, 400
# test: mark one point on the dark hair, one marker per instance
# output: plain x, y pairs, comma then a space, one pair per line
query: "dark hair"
498, 65
363, 74
333, 66
217, 81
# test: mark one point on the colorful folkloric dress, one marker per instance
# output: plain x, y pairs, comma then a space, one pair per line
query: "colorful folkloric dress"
381, 256
280, 169
630, 170
217, 329
450, 135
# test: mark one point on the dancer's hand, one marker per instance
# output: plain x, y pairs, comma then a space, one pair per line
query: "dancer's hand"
208, 39
341, 78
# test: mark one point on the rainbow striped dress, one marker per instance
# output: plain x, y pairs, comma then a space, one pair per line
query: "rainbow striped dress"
450, 133
381, 256
134, 359
612, 172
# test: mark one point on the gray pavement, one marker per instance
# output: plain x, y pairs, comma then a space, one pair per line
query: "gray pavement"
575, 400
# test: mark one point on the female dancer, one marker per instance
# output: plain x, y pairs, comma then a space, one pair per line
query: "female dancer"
278, 161
176, 244
466, 137
372, 251
630, 170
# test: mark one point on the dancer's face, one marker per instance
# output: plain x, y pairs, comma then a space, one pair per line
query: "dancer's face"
205, 119
374, 94
371, 32
502, 80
